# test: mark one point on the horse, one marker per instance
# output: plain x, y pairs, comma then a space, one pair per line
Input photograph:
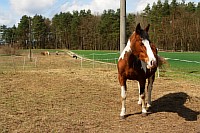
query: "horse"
45, 53
74, 56
138, 61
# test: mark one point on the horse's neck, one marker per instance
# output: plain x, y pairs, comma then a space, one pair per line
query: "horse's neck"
132, 59
127, 50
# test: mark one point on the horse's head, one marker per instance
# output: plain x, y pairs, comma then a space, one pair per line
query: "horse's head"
142, 47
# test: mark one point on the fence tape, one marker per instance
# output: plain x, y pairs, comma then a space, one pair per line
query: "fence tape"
183, 60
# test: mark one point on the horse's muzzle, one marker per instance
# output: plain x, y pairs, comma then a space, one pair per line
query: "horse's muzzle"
151, 64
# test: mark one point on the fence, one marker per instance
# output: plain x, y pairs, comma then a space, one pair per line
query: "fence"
188, 61
109, 60
100, 60
95, 60
15, 63
39, 62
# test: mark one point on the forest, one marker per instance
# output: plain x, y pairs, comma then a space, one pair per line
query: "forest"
175, 26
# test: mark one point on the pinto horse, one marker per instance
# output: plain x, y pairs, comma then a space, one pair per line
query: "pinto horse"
45, 53
138, 61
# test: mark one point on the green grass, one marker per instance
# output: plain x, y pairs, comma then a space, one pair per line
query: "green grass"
104, 56
183, 56
175, 65
183, 66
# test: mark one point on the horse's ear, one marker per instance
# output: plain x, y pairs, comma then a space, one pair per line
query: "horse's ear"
138, 28
147, 28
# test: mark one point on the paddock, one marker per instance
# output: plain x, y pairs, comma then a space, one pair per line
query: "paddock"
63, 97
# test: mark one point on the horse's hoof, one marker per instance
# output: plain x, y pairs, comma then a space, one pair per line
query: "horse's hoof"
149, 109
148, 105
122, 117
144, 114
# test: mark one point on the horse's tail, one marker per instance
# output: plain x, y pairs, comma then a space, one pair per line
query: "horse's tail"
161, 61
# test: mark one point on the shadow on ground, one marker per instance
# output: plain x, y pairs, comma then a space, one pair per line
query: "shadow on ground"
174, 102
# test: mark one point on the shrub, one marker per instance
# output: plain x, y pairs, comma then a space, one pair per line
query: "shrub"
7, 50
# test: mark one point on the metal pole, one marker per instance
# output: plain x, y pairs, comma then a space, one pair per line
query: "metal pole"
93, 60
30, 40
122, 25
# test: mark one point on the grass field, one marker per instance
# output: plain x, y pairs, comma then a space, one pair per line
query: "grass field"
187, 62
180, 65
105, 56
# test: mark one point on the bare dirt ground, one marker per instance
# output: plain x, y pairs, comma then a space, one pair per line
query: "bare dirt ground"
62, 97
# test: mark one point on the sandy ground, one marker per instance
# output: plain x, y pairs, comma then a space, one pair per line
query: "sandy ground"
63, 97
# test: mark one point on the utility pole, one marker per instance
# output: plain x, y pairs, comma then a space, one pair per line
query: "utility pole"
122, 25
30, 40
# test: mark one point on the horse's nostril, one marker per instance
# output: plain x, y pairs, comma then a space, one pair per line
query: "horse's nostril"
151, 63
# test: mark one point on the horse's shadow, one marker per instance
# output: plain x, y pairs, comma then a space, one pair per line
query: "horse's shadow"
174, 102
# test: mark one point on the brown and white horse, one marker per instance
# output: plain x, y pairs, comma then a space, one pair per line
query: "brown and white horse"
138, 61
45, 53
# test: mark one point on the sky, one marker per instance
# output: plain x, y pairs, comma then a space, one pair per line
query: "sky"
11, 11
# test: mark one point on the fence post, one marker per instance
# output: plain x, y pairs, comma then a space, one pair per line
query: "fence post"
81, 61
24, 63
158, 72
93, 59
35, 61
13, 63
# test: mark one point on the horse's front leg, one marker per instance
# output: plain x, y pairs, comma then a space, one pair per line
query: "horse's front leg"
149, 89
122, 82
123, 96
139, 99
142, 95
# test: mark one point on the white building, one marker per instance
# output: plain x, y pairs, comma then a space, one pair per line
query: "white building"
1, 34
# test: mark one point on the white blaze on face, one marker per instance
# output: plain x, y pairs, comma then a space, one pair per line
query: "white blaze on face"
126, 49
149, 53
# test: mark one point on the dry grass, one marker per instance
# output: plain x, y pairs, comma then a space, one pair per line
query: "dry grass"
7, 50
59, 96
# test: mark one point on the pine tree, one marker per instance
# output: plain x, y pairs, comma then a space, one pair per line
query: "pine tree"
23, 30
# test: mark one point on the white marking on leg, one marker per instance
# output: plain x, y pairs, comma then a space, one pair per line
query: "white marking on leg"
143, 103
123, 92
123, 95
139, 99
123, 112
144, 110
126, 49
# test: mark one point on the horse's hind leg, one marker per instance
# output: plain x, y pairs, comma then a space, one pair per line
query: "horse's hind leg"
123, 96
